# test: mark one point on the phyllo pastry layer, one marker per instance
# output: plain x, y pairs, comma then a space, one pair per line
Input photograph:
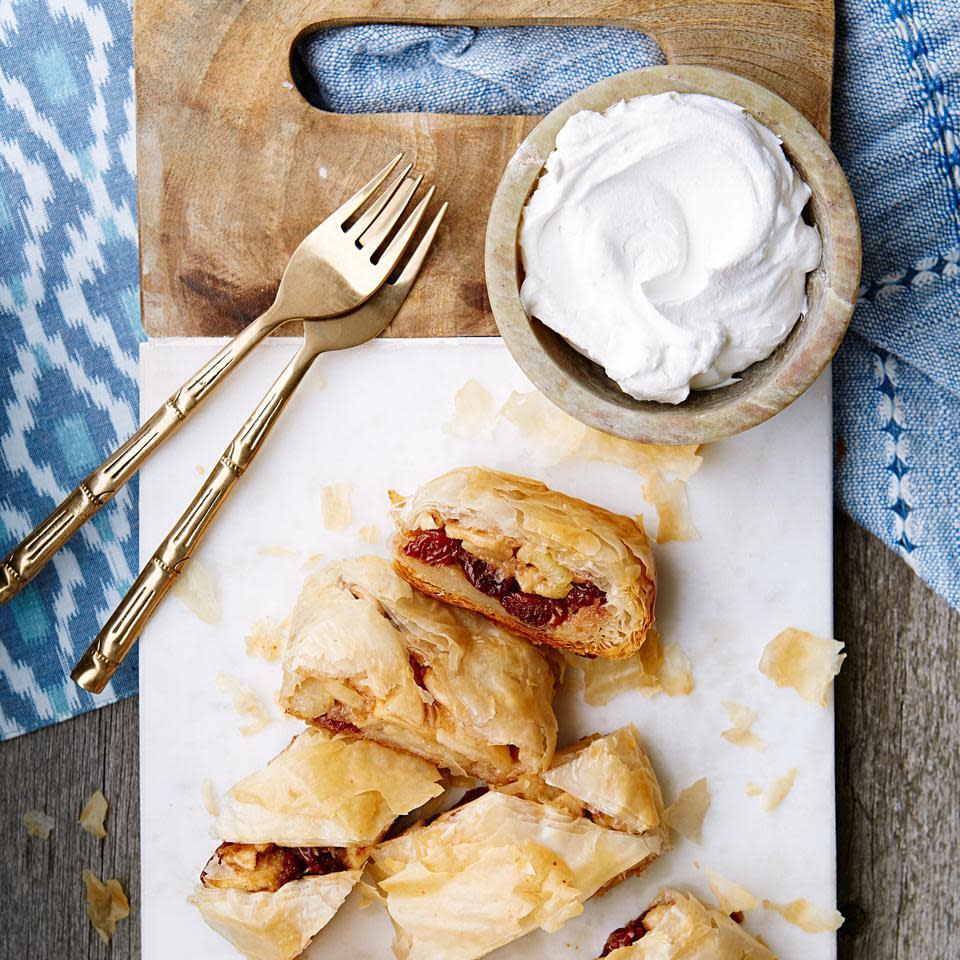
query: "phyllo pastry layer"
367, 654
325, 790
548, 566
608, 779
275, 924
296, 835
494, 869
677, 926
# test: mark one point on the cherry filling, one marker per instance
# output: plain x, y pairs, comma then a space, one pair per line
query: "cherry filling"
318, 861
267, 867
627, 935
436, 549
624, 936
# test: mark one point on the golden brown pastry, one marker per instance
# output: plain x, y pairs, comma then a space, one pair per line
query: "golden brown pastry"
326, 791
550, 567
296, 834
526, 855
608, 779
271, 901
677, 926
493, 870
369, 655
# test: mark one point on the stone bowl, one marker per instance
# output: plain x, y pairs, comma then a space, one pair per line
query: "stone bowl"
581, 387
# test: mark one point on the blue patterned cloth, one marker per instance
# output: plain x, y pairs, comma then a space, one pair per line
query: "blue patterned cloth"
70, 316
69, 299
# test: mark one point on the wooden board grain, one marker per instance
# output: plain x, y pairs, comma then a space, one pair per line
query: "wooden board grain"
235, 167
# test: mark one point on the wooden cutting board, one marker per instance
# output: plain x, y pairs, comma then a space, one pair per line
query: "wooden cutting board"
235, 167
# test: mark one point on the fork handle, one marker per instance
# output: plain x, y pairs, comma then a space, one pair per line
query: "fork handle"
106, 653
98, 488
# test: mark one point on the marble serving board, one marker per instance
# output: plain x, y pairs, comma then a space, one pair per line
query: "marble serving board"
375, 417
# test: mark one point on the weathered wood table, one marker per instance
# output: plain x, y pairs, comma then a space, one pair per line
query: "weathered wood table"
898, 779
898, 696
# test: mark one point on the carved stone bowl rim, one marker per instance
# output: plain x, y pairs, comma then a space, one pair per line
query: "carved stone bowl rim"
579, 386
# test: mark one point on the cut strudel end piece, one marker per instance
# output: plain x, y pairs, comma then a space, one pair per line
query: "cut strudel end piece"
677, 926
369, 655
326, 790
296, 837
548, 566
608, 779
271, 901
494, 869
526, 855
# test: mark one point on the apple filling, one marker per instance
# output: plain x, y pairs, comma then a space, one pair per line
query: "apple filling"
506, 580
265, 867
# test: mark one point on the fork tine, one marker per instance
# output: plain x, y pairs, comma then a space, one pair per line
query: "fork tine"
391, 256
351, 206
378, 231
373, 211
417, 258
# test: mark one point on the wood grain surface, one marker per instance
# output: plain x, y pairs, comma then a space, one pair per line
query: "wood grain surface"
898, 776
235, 167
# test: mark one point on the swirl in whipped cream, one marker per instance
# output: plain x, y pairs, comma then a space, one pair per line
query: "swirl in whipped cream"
665, 241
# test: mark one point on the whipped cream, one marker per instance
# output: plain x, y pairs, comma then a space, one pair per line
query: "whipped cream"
665, 241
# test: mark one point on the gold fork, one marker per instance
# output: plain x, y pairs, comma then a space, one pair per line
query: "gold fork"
334, 270
120, 632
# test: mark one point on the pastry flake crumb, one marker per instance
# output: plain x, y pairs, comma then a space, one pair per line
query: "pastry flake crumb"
740, 734
94, 814
38, 824
675, 674
664, 473
804, 661
686, 814
776, 793
314, 562
276, 550
335, 505
653, 669
246, 703
663, 470
266, 639
106, 904
473, 411
730, 896
605, 679
211, 800
370, 534
368, 894
807, 916
554, 435
197, 588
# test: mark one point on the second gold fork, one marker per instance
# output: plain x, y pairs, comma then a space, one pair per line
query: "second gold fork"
120, 632
334, 269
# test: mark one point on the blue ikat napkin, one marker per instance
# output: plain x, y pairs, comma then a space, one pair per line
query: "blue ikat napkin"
69, 297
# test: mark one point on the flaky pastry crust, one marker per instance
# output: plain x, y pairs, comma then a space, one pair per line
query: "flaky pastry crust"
677, 926
369, 655
275, 925
608, 779
326, 790
493, 870
546, 539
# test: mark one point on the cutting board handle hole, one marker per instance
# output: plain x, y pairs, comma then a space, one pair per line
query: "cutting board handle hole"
462, 69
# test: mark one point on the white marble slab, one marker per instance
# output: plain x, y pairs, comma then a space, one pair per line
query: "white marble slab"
374, 416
